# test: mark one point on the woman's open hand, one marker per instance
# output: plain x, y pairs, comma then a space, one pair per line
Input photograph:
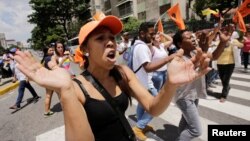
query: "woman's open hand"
56, 79
182, 71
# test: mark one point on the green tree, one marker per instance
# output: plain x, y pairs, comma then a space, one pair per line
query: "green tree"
50, 15
131, 25
38, 37
199, 6
213, 4
2, 50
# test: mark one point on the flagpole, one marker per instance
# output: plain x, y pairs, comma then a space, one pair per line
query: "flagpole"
159, 19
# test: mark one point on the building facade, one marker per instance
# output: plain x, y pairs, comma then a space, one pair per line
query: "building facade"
144, 10
3, 40
11, 42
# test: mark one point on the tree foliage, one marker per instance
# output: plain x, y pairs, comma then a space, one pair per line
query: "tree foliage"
132, 25
55, 19
213, 4
2, 50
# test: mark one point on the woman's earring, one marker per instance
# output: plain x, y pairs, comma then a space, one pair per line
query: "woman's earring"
86, 54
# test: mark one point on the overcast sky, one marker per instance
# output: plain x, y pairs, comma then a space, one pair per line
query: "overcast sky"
13, 19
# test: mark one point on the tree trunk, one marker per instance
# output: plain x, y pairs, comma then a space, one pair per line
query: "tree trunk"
65, 29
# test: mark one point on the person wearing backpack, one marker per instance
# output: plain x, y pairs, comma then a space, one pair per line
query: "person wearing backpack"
123, 48
143, 68
88, 114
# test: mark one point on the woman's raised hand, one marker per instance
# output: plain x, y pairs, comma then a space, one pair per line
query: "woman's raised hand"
182, 71
55, 79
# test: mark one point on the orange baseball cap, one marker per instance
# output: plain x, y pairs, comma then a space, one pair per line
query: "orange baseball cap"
112, 22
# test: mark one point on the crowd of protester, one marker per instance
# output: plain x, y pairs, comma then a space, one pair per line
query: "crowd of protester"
167, 66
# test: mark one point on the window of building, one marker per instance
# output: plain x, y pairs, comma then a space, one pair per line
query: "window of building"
125, 9
142, 15
164, 8
107, 5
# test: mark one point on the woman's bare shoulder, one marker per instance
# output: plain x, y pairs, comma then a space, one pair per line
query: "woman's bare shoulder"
79, 93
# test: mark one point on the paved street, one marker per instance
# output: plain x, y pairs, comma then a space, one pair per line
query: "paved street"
28, 124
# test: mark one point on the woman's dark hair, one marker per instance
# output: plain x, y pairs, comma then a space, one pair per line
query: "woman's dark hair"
45, 53
177, 38
82, 46
122, 80
57, 53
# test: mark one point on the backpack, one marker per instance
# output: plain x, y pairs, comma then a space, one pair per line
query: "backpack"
128, 56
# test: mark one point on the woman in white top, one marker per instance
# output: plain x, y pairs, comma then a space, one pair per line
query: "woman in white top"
63, 57
159, 51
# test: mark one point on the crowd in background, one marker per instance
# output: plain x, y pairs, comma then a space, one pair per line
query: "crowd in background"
152, 55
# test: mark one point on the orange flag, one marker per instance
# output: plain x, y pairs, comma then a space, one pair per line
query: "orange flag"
175, 14
79, 58
245, 8
239, 19
160, 26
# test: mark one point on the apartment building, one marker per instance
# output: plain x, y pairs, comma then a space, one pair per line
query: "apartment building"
3, 40
144, 10
11, 42
119, 8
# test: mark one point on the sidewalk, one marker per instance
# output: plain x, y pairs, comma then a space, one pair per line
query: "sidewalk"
6, 85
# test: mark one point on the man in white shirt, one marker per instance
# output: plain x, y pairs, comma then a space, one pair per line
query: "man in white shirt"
123, 47
23, 83
142, 56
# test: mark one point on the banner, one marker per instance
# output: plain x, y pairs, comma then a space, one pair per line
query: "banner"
239, 19
175, 14
208, 11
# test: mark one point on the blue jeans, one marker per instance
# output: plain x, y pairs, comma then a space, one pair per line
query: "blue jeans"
189, 126
143, 118
159, 78
22, 85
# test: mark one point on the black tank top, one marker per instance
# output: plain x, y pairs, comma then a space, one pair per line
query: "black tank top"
104, 122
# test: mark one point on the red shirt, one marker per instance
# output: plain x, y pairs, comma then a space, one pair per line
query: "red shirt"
246, 47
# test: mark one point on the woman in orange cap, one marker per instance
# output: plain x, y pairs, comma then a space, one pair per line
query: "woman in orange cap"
87, 114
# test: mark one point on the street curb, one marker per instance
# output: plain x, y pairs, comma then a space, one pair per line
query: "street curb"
8, 88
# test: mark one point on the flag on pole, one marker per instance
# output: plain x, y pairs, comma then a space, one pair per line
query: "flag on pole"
244, 9
175, 14
239, 19
160, 26
209, 11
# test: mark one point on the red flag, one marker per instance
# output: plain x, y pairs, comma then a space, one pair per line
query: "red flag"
239, 19
245, 8
175, 14
160, 26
